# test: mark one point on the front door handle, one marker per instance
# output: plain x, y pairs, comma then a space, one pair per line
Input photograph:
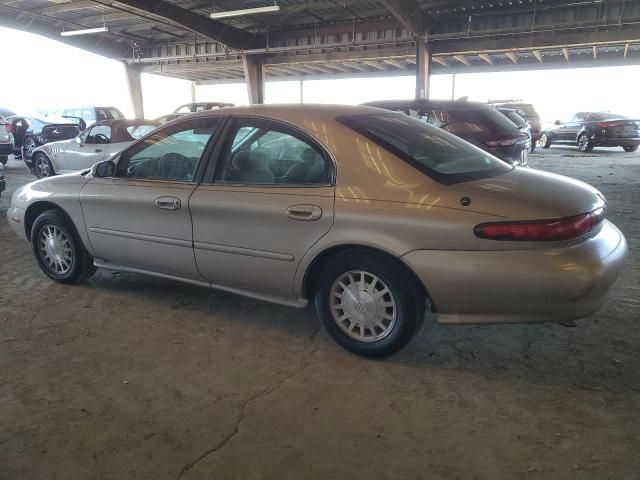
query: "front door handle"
168, 203
304, 212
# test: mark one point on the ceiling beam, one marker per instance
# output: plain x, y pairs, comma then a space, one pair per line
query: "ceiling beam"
486, 58
626, 50
214, 30
65, 7
410, 15
513, 56
462, 59
440, 60
565, 52
595, 52
537, 54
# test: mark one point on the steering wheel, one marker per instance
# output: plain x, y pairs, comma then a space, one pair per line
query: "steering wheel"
100, 138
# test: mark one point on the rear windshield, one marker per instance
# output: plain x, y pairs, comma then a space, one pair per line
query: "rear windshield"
441, 155
597, 116
108, 113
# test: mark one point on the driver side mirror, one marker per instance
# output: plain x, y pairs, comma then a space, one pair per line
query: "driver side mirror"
104, 169
78, 140
558, 122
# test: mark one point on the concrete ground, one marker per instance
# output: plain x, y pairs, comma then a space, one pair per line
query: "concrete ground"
130, 377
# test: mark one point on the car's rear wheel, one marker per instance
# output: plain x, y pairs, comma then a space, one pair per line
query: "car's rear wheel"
631, 148
28, 144
544, 141
368, 304
4, 159
584, 143
42, 166
59, 250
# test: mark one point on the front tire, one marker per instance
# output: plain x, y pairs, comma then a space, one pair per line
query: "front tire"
584, 143
544, 141
631, 148
368, 304
58, 249
42, 166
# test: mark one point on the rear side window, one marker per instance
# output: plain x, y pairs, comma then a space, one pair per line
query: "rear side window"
440, 155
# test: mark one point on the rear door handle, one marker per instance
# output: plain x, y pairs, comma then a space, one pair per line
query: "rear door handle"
168, 203
307, 213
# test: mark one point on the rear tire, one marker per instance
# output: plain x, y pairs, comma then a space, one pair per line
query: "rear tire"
368, 304
28, 144
631, 148
544, 141
42, 166
584, 143
4, 159
58, 249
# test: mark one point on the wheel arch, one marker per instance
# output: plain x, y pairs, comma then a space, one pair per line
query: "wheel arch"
41, 151
41, 206
320, 260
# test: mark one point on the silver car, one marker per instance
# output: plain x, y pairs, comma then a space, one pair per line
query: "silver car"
93, 145
365, 212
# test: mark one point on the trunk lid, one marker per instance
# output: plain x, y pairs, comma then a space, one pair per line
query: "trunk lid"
528, 194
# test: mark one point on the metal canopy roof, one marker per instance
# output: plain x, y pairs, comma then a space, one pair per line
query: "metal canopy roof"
340, 38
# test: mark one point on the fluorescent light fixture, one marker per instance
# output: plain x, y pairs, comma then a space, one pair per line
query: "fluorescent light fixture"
245, 11
86, 31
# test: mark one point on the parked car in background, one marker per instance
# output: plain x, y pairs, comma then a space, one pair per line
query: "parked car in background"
526, 111
30, 132
168, 117
587, 130
6, 140
376, 211
92, 145
200, 107
90, 114
477, 123
521, 123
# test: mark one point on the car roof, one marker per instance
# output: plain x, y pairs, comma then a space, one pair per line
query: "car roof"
294, 113
421, 103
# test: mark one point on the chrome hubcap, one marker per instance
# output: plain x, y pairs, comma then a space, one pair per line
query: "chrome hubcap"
55, 249
42, 167
584, 141
363, 306
543, 140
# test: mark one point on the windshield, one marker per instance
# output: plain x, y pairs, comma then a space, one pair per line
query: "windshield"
441, 155
108, 113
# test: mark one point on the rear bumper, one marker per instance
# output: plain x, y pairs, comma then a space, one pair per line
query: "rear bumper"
516, 154
607, 141
537, 285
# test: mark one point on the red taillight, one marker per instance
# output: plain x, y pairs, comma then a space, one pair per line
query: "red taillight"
542, 230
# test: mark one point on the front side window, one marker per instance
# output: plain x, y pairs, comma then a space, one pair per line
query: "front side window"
263, 153
99, 134
438, 154
171, 153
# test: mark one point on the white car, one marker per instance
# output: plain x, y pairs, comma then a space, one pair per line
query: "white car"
96, 143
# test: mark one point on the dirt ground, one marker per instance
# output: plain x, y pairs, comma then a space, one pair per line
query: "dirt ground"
130, 377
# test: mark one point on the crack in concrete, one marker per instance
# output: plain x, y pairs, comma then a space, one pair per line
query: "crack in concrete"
241, 416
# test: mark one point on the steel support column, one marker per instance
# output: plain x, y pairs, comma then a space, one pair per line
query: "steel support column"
132, 73
423, 68
254, 77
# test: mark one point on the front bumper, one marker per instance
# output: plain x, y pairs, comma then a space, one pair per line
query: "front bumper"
15, 218
536, 285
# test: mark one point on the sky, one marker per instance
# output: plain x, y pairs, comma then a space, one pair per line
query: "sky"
46, 75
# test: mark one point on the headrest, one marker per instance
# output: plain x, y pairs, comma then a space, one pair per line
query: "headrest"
310, 156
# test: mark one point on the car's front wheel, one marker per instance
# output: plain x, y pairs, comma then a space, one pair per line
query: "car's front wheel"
368, 304
584, 143
59, 250
42, 166
631, 148
544, 141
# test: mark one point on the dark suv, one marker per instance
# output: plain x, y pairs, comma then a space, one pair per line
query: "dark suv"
526, 111
477, 123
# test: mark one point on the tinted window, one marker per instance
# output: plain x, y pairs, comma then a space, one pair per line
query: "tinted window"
139, 131
262, 153
598, 116
482, 122
171, 153
107, 113
440, 155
